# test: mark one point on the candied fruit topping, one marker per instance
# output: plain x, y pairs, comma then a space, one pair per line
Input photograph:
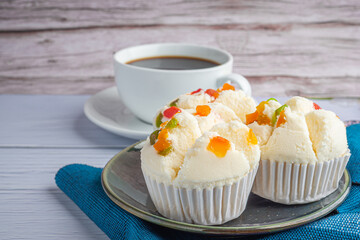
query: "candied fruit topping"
154, 136
251, 139
262, 118
282, 119
202, 110
174, 103
219, 146
277, 113
226, 86
259, 116
162, 143
158, 120
261, 107
212, 93
163, 124
171, 111
166, 151
196, 91
317, 107
172, 123
250, 118
271, 99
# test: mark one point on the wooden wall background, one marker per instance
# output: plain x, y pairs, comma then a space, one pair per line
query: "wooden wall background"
309, 48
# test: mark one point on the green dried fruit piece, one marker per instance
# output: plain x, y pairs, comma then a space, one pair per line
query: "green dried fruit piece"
174, 103
166, 151
172, 123
153, 136
271, 99
158, 121
277, 113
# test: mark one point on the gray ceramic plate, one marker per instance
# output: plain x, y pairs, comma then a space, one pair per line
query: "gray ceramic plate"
123, 182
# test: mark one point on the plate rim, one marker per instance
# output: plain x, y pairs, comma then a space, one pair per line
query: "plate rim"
116, 129
219, 229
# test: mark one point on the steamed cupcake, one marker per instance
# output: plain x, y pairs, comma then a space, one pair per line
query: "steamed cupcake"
304, 157
209, 182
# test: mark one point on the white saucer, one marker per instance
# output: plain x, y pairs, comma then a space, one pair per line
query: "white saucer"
106, 110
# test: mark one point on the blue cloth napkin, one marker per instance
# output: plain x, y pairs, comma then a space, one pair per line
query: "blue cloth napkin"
82, 184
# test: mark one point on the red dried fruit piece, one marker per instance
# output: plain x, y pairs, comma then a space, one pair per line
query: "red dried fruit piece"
219, 146
203, 110
196, 91
317, 107
171, 111
212, 93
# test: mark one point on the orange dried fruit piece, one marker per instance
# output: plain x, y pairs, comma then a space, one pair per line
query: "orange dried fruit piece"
252, 117
219, 146
282, 118
202, 110
163, 124
261, 107
263, 120
251, 138
212, 93
162, 143
226, 86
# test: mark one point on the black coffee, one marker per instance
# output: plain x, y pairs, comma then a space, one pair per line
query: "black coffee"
173, 63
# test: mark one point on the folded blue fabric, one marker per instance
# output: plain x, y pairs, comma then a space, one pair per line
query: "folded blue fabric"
82, 184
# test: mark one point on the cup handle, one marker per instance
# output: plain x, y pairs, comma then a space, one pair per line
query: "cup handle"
237, 80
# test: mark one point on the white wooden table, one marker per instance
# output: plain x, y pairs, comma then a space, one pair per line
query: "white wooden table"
38, 135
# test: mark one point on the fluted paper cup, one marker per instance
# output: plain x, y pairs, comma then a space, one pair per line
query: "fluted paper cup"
206, 206
293, 183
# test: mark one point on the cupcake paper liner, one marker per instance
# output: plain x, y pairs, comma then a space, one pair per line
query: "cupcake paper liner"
293, 183
206, 206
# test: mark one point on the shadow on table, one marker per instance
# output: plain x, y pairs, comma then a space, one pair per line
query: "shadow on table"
96, 136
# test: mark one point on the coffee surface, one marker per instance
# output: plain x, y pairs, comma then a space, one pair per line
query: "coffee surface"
173, 63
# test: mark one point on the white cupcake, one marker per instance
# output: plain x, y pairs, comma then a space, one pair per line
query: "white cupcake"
212, 184
305, 156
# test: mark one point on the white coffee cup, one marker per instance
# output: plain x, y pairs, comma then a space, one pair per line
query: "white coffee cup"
145, 90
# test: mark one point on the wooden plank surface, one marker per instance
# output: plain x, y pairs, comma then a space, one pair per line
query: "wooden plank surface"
19, 15
306, 48
31, 201
70, 62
